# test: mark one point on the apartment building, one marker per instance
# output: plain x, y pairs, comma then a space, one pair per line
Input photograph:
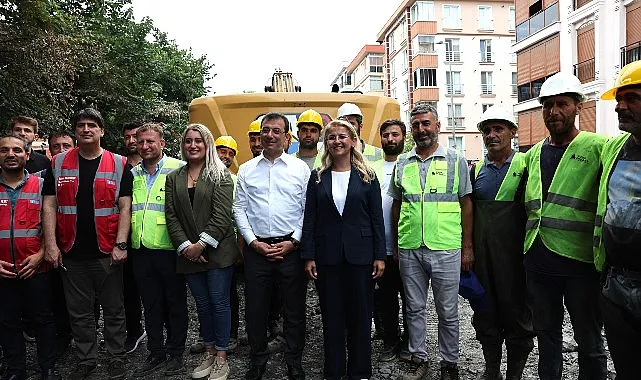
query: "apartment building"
364, 73
565, 35
455, 54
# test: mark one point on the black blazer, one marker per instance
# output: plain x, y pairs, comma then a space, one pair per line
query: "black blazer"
358, 236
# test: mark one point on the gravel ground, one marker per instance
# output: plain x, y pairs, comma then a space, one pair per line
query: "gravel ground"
470, 363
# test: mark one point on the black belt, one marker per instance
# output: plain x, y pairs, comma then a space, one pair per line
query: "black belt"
276, 239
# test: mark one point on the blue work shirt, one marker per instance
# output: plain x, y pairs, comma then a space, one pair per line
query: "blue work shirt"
151, 178
490, 178
14, 193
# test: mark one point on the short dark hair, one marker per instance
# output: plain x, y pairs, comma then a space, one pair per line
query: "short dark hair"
130, 125
26, 120
61, 133
274, 116
388, 123
25, 144
91, 114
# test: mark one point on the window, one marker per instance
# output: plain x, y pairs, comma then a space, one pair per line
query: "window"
392, 70
405, 63
451, 16
484, 107
348, 79
392, 45
425, 78
394, 94
458, 115
452, 52
512, 19
376, 64
486, 82
406, 95
376, 84
485, 18
486, 51
422, 11
423, 45
458, 145
514, 87
454, 86
513, 54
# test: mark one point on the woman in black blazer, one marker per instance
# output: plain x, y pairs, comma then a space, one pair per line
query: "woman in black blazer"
344, 247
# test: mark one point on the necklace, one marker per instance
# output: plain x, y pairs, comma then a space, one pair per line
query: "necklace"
192, 178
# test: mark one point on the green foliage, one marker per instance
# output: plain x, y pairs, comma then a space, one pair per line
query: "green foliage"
409, 142
57, 57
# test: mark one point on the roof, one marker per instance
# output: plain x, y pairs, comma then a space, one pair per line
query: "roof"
367, 49
380, 37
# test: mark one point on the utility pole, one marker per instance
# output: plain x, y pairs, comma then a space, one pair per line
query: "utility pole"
451, 91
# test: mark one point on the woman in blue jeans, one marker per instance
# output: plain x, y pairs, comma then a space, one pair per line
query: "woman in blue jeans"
198, 211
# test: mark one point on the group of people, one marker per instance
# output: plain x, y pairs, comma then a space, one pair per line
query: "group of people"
519, 234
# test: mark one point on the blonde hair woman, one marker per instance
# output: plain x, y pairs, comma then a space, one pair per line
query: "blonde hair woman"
198, 210
344, 247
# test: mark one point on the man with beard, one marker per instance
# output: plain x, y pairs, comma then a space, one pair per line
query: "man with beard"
309, 125
26, 128
618, 226
352, 114
254, 138
498, 182
432, 238
389, 285
227, 148
129, 139
61, 141
560, 201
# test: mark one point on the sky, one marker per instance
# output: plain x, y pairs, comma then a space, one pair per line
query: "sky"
247, 40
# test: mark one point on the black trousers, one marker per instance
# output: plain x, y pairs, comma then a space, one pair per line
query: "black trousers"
133, 305
261, 276
623, 332
164, 293
59, 304
32, 299
346, 295
389, 288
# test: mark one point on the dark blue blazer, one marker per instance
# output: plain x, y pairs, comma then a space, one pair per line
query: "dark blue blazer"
358, 236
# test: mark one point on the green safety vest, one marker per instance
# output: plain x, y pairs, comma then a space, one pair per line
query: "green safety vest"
317, 163
565, 220
608, 158
372, 153
148, 225
430, 216
510, 183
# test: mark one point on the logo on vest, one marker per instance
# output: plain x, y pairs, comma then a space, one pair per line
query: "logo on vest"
517, 174
34, 201
439, 172
4, 202
579, 158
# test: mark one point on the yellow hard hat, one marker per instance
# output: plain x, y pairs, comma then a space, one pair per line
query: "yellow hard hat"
312, 117
254, 127
227, 141
629, 74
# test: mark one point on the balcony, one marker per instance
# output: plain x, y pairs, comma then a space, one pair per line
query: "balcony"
515, 90
486, 57
579, 3
452, 56
585, 71
631, 53
487, 89
454, 89
459, 122
537, 22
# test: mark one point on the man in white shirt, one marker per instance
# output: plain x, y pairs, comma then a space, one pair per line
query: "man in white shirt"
269, 208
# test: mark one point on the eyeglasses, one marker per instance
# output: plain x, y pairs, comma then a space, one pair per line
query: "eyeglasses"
274, 131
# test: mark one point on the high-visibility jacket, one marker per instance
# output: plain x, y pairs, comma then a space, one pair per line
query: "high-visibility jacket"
148, 224
511, 181
372, 153
317, 163
20, 228
608, 159
565, 219
429, 216
106, 188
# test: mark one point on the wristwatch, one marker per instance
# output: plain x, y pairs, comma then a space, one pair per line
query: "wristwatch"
122, 245
295, 242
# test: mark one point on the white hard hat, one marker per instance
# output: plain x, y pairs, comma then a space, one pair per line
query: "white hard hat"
349, 109
561, 83
497, 113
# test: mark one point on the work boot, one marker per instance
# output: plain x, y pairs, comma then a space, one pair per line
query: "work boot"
492, 355
516, 360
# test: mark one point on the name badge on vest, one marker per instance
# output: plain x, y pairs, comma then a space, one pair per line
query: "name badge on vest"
4, 202
65, 179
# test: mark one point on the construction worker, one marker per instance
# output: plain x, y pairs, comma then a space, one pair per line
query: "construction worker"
227, 148
560, 201
618, 231
498, 185
254, 138
351, 113
309, 125
432, 238
389, 285
25, 279
162, 290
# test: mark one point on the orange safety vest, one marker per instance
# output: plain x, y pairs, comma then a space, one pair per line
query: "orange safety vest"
106, 187
20, 225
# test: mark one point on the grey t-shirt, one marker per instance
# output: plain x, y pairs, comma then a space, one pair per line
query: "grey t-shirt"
309, 161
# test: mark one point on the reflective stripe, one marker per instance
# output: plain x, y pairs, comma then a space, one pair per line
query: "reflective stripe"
532, 224
400, 166
440, 197
575, 203
597, 241
411, 197
24, 195
106, 211
150, 206
567, 225
533, 205
137, 207
4, 195
120, 167
598, 221
33, 232
104, 175
452, 161
6, 234
69, 172
67, 209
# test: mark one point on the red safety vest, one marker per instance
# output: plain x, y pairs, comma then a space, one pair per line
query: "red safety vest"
20, 228
106, 187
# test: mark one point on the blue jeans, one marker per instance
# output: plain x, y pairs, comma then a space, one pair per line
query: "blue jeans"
211, 290
580, 295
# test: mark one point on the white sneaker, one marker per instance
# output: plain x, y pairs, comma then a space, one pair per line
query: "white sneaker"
220, 370
205, 366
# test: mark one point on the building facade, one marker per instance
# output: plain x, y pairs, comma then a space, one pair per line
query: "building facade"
455, 54
364, 73
564, 35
